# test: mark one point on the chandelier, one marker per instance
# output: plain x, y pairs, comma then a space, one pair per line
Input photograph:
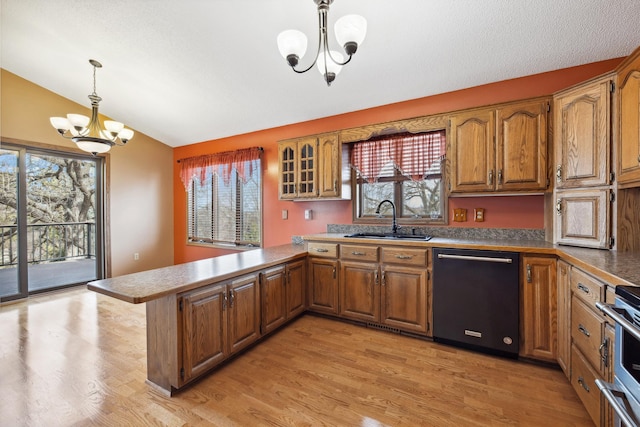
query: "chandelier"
87, 133
350, 31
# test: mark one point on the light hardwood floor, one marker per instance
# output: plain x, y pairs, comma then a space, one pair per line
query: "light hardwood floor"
78, 358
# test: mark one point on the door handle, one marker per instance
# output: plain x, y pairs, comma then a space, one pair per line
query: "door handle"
231, 298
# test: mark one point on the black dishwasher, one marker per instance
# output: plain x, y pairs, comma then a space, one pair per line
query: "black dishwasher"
476, 299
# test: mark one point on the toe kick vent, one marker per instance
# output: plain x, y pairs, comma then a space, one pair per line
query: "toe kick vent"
383, 328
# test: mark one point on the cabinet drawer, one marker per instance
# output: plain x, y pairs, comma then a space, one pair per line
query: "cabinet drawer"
359, 253
587, 329
583, 380
328, 250
586, 287
406, 256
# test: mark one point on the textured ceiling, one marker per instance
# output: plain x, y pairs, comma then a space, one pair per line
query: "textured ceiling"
193, 70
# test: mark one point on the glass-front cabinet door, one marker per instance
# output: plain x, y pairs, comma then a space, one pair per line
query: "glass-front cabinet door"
298, 163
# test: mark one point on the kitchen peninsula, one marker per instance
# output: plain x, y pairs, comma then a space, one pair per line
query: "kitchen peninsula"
203, 312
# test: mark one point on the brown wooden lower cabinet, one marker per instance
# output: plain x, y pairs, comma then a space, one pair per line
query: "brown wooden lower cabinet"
404, 298
538, 295
283, 294
205, 322
359, 291
323, 285
592, 343
391, 295
564, 316
385, 285
218, 321
583, 380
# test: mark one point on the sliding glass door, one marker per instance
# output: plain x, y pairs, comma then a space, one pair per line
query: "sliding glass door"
50, 220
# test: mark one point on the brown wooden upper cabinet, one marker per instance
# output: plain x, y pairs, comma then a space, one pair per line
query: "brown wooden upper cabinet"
312, 168
583, 134
503, 148
629, 121
583, 217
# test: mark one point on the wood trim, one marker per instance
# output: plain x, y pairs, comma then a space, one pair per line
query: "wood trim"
414, 125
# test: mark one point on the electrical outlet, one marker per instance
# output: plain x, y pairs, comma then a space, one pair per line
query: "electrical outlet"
459, 215
285, 214
478, 214
308, 214
136, 256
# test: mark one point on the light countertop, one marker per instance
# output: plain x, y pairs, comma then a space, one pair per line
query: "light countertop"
153, 284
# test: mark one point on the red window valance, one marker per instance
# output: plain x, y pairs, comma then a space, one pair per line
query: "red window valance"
227, 161
413, 154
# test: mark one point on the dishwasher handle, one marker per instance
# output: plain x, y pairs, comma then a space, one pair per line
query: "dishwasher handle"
476, 258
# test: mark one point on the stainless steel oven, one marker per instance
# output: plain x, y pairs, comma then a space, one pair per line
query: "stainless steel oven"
624, 393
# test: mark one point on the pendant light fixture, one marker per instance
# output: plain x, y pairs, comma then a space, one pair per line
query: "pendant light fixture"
350, 32
87, 132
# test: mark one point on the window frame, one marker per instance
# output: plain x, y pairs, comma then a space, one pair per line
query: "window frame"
238, 244
398, 179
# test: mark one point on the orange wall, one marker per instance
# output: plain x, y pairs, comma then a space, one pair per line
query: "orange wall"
501, 212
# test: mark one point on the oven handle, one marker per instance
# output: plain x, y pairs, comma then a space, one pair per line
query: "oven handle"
475, 258
607, 390
612, 312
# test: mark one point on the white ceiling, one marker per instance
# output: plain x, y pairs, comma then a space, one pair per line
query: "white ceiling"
194, 70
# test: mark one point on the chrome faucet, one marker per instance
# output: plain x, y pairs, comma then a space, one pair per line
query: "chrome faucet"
394, 223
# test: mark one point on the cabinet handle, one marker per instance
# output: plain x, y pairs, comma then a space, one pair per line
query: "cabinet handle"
224, 301
358, 253
404, 256
321, 250
335, 185
604, 352
638, 158
584, 330
232, 298
491, 177
559, 207
384, 278
528, 273
559, 173
583, 288
583, 384
334, 272
375, 279
500, 176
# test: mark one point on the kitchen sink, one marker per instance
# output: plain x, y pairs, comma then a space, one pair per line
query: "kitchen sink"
391, 236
